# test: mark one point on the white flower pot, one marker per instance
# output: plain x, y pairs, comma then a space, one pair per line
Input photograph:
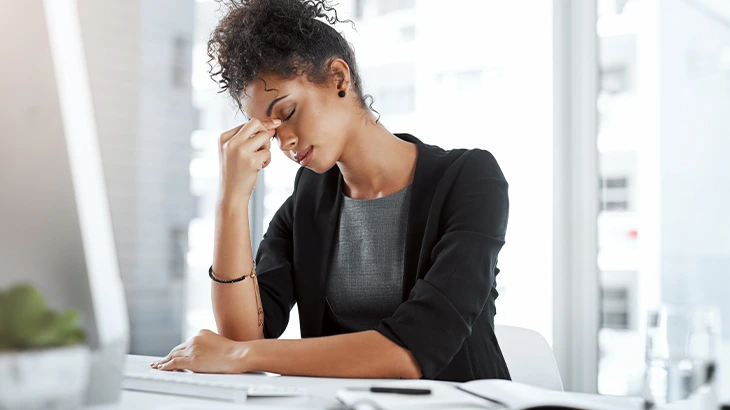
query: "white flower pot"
44, 379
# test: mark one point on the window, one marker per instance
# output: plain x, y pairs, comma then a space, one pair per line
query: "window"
615, 194
616, 311
663, 149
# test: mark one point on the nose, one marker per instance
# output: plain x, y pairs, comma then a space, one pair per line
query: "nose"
286, 142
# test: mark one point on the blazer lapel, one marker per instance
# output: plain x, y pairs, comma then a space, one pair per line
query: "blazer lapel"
421, 194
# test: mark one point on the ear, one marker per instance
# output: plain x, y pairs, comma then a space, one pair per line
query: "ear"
340, 74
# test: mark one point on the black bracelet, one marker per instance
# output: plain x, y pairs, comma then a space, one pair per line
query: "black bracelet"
210, 273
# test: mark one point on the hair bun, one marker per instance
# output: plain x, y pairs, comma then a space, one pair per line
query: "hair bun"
284, 38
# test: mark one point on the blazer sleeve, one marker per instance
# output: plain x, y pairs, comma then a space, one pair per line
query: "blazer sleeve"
438, 315
274, 268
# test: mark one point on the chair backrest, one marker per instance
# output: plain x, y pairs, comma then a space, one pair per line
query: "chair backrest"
529, 358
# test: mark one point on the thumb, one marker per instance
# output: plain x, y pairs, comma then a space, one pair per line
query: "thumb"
272, 124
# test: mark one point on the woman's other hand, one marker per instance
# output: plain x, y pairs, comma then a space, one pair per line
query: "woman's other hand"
206, 352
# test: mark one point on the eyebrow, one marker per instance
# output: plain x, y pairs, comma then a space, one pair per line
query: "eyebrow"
271, 106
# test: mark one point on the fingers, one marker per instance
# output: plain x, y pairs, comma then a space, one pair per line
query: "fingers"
266, 146
170, 358
177, 352
262, 159
224, 137
178, 363
251, 143
250, 128
170, 355
256, 150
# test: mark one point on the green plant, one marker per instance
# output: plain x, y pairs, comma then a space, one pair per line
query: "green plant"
27, 323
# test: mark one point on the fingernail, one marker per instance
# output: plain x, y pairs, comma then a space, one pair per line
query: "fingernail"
276, 122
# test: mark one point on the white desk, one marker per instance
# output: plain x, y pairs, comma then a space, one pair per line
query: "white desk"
322, 393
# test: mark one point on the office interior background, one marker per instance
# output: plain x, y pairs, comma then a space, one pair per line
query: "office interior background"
610, 119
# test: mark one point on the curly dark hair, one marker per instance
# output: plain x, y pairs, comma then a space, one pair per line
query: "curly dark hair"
285, 38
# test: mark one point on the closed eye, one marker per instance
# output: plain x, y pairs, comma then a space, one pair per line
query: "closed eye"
289, 116
285, 119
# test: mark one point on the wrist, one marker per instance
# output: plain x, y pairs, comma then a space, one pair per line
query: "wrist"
252, 356
230, 204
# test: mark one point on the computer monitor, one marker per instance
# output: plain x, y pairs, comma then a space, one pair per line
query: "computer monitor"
55, 225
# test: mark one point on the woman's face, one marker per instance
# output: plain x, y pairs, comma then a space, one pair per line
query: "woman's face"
314, 118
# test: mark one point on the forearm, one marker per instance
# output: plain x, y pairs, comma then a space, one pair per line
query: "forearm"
355, 355
234, 304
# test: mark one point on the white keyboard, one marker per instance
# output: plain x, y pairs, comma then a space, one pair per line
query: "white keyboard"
196, 385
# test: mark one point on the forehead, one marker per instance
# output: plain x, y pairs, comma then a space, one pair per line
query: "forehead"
258, 95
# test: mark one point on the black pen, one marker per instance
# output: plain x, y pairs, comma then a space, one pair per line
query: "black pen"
393, 390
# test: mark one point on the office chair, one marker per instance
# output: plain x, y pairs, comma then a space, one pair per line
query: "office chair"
529, 358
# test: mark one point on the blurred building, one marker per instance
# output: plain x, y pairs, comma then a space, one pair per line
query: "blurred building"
663, 137
139, 58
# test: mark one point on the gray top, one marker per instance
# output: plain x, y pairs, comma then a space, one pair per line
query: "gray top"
366, 278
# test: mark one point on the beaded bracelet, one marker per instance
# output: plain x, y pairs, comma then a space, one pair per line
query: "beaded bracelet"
252, 275
215, 279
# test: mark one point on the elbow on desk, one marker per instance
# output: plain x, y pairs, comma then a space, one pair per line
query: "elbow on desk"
396, 361
410, 369
412, 374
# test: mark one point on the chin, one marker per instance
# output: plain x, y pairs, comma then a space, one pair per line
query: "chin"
321, 167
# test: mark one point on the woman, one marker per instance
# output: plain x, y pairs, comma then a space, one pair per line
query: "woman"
388, 245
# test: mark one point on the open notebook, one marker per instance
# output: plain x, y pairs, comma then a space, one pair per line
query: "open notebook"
519, 396
483, 394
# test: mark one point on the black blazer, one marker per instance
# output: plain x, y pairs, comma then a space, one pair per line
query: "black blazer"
456, 227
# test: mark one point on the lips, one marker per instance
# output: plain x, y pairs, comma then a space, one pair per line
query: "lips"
299, 156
